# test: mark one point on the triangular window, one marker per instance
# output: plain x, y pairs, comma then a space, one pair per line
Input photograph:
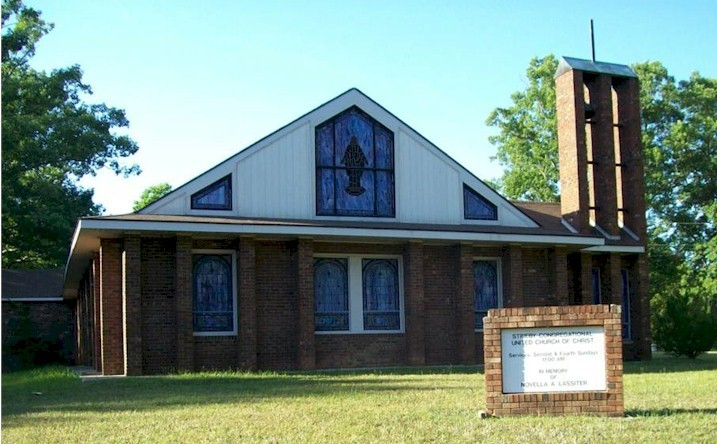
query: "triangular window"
217, 196
476, 206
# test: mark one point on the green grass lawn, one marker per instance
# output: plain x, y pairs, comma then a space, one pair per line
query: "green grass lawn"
666, 400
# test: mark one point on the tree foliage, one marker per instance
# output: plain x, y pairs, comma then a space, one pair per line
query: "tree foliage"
527, 142
151, 194
50, 139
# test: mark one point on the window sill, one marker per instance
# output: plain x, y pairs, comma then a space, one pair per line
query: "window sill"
367, 332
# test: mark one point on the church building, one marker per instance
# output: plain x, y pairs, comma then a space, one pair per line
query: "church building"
345, 239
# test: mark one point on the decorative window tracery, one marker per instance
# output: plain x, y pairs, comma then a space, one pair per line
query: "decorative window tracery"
212, 293
354, 166
486, 288
381, 309
331, 294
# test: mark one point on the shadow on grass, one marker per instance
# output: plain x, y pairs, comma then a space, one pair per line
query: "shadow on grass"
67, 393
667, 412
666, 363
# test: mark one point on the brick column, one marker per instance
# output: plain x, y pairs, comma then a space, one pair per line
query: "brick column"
305, 276
132, 305
111, 307
247, 303
560, 276
513, 283
183, 300
97, 305
415, 322
465, 307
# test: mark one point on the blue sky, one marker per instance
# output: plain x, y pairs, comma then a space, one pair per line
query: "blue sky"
202, 80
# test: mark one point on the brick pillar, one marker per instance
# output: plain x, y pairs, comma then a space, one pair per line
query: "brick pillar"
111, 307
305, 275
614, 266
574, 201
247, 302
513, 282
465, 307
603, 146
132, 305
97, 304
415, 322
586, 274
560, 276
183, 299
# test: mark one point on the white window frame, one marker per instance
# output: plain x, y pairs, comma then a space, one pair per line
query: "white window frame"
235, 292
355, 288
498, 276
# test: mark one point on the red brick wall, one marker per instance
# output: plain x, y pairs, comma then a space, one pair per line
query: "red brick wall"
111, 300
440, 277
277, 308
360, 350
159, 314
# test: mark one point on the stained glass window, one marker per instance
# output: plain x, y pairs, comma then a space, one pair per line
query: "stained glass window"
626, 318
354, 166
331, 294
485, 289
381, 309
213, 295
217, 196
476, 206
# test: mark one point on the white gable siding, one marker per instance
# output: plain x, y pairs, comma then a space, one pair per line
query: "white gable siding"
425, 184
275, 178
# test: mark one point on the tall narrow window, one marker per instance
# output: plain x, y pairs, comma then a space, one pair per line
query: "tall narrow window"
626, 318
596, 286
476, 206
217, 196
354, 166
213, 294
486, 289
331, 294
381, 305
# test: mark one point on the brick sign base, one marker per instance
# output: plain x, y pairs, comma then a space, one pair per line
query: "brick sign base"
607, 402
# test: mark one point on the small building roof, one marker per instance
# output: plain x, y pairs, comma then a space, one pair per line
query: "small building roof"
569, 63
32, 285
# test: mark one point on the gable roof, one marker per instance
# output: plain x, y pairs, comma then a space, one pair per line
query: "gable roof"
176, 201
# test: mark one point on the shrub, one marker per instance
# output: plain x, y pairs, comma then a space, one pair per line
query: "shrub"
684, 325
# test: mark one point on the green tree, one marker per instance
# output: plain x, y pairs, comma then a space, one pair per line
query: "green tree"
527, 141
50, 139
151, 194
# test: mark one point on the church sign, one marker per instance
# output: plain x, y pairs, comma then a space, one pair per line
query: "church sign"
554, 360
560, 359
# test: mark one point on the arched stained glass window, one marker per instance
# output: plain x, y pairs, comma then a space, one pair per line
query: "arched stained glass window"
213, 296
354, 166
476, 206
331, 294
485, 289
381, 303
217, 196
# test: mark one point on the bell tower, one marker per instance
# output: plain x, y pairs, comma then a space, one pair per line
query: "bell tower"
601, 164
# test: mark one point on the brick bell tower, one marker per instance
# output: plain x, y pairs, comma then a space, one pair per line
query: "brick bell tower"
603, 191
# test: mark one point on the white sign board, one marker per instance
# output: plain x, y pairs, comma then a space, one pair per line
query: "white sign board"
555, 359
